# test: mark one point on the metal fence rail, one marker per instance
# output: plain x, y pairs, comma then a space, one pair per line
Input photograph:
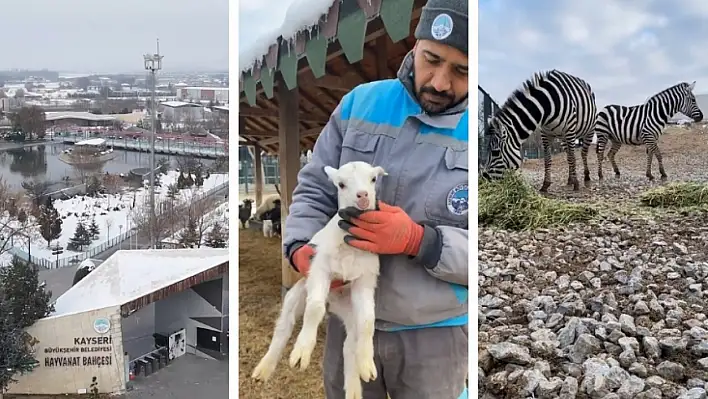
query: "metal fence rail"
177, 147
106, 245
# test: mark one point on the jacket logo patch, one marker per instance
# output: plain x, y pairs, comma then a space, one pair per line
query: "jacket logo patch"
457, 199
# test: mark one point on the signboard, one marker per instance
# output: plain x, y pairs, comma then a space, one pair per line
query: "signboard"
86, 351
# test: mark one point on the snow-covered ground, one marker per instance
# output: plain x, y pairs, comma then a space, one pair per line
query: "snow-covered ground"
219, 214
113, 213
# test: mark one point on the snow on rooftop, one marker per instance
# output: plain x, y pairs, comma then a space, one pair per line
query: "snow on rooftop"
56, 115
301, 15
131, 274
91, 142
178, 104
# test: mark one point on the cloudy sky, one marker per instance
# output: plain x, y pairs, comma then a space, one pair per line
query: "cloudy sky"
84, 36
626, 50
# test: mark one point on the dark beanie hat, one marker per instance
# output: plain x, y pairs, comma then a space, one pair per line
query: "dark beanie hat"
444, 21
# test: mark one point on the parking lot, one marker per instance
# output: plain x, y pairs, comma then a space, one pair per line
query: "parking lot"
187, 377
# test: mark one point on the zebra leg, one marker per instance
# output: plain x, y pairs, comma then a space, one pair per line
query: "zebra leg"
600, 150
660, 159
611, 155
650, 158
572, 174
584, 155
546, 163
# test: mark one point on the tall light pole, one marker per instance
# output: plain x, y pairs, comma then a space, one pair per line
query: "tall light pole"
153, 63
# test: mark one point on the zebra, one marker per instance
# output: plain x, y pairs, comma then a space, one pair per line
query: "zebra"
642, 124
554, 103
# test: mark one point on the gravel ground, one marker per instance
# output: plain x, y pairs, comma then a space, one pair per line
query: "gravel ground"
614, 308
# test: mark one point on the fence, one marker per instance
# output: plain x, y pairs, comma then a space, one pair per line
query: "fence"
110, 243
169, 146
531, 149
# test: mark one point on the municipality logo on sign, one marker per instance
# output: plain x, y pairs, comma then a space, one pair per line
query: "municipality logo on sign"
457, 199
442, 27
101, 325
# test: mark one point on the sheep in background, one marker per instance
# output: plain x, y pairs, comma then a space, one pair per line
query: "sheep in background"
244, 211
274, 217
267, 205
353, 303
267, 228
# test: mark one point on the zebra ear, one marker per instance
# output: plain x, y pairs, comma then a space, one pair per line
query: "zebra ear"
692, 86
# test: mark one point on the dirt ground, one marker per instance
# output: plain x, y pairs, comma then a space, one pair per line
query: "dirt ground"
683, 150
259, 296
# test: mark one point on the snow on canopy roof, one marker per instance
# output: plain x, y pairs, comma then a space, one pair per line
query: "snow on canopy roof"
87, 264
91, 142
301, 15
132, 274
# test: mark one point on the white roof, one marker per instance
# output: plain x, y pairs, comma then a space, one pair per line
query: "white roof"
56, 115
222, 107
91, 142
178, 104
131, 274
301, 15
217, 88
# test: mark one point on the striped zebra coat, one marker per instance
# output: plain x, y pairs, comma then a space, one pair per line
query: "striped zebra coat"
642, 124
554, 103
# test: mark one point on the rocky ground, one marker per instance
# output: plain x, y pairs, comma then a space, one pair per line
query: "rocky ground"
614, 308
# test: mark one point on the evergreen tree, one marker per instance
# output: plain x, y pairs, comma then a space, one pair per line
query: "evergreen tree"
80, 239
198, 179
49, 223
188, 180
181, 181
189, 237
93, 229
216, 238
23, 301
25, 296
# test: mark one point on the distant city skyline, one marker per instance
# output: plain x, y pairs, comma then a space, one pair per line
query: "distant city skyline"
92, 37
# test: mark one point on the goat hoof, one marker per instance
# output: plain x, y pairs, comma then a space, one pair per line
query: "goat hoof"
365, 363
301, 354
264, 370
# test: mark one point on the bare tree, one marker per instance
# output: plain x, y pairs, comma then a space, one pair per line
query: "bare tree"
198, 210
17, 228
190, 122
30, 120
164, 219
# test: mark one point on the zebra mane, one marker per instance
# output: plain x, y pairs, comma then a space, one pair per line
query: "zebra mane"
530, 83
682, 85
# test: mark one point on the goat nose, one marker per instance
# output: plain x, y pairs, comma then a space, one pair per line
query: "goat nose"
362, 194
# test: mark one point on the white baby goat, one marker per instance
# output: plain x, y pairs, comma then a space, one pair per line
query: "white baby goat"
353, 303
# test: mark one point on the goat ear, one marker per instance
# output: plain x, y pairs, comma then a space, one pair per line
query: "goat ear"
330, 171
380, 171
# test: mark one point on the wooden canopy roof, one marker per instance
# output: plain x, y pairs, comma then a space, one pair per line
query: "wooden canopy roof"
356, 42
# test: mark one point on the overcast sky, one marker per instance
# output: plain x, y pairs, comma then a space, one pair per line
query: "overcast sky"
626, 50
84, 36
259, 17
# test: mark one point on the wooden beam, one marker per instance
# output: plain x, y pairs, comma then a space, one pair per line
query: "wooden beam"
289, 158
257, 163
381, 51
244, 110
374, 29
258, 133
331, 82
303, 133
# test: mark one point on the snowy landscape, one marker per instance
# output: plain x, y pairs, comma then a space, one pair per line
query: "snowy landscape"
219, 216
114, 214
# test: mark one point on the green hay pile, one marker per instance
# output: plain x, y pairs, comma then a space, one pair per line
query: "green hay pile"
677, 195
512, 204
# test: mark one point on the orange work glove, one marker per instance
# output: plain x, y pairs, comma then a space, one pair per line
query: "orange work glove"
302, 259
386, 231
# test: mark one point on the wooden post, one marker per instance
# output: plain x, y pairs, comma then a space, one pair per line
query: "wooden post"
382, 57
257, 163
289, 158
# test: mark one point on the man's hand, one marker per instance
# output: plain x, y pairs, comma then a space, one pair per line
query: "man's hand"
302, 259
387, 231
